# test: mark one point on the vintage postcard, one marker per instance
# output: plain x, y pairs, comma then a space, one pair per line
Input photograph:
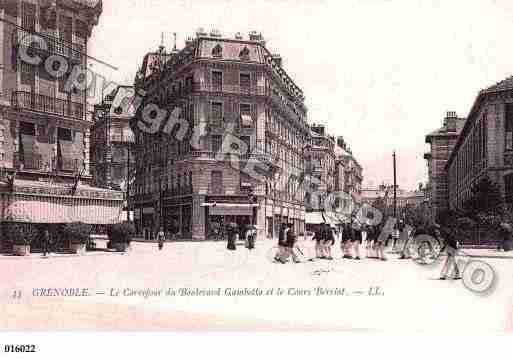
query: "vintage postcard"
288, 165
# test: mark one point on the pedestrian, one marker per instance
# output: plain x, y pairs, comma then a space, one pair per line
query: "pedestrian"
370, 243
406, 236
232, 233
356, 240
161, 238
398, 234
506, 237
328, 241
451, 247
250, 236
318, 237
347, 235
282, 240
290, 243
46, 242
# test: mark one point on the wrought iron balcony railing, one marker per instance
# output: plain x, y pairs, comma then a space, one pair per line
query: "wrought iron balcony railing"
39, 103
45, 45
231, 89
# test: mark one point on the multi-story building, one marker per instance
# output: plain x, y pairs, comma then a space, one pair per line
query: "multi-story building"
383, 196
44, 125
485, 146
322, 169
442, 142
112, 143
251, 112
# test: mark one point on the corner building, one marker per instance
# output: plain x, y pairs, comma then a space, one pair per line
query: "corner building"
234, 88
44, 124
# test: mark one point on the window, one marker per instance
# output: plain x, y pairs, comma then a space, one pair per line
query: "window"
244, 53
217, 111
509, 126
27, 128
65, 28
216, 182
217, 80
508, 186
245, 80
64, 134
217, 51
81, 29
188, 82
27, 74
28, 19
245, 115
247, 141
217, 143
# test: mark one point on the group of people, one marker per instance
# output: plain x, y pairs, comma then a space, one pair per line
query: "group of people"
286, 243
249, 232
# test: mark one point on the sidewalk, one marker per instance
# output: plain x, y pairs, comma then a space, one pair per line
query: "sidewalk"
40, 256
486, 253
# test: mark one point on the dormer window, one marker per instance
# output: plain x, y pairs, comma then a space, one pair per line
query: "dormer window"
217, 51
244, 54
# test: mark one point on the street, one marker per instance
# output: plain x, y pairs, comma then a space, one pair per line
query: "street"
201, 285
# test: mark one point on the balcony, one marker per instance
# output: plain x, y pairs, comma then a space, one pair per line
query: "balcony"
45, 45
230, 89
51, 105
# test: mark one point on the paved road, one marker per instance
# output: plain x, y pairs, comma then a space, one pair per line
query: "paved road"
411, 298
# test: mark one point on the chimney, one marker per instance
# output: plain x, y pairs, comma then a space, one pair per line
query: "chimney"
450, 121
201, 32
215, 33
254, 36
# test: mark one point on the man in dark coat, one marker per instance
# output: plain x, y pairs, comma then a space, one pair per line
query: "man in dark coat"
232, 230
328, 241
279, 257
356, 240
46, 242
347, 235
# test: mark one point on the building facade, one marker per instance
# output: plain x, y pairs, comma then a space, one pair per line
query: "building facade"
442, 142
485, 146
383, 196
44, 123
321, 168
112, 150
248, 111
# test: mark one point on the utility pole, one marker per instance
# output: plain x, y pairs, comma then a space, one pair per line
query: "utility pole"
395, 185
128, 181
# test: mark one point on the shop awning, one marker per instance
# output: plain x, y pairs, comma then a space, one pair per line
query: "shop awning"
335, 218
230, 209
63, 210
47, 203
314, 218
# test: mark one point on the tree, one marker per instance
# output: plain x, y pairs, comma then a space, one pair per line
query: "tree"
485, 202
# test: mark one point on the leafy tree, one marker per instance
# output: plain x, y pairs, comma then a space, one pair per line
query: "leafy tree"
485, 202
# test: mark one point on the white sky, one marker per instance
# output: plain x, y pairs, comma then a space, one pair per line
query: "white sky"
382, 73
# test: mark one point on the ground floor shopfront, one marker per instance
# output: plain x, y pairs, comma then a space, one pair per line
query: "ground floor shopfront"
48, 204
201, 217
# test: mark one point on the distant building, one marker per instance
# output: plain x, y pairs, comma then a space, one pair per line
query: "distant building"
322, 161
111, 139
382, 197
485, 146
442, 142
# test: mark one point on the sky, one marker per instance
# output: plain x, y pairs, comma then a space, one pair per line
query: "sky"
381, 73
